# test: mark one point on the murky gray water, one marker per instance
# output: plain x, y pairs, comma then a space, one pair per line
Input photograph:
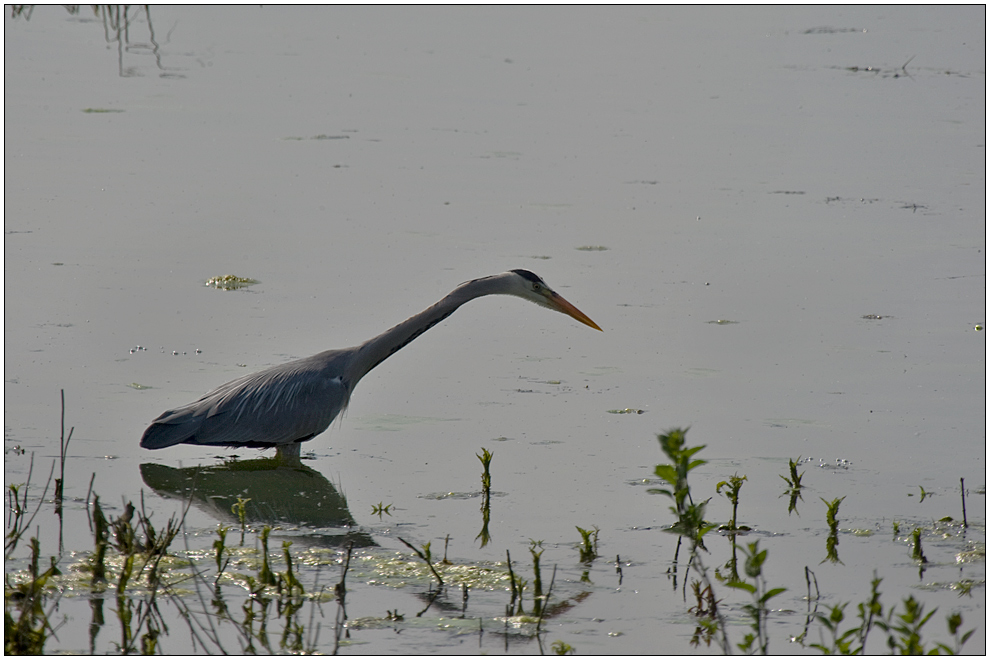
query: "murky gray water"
814, 175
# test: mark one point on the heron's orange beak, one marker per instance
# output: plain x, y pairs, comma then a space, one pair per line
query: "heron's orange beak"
558, 303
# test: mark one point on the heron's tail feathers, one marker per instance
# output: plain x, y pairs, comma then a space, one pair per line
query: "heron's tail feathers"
164, 434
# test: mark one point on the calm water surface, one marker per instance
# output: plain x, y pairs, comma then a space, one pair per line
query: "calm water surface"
812, 178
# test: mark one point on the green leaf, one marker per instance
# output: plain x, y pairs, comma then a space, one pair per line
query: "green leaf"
773, 592
738, 584
838, 613
691, 451
705, 529
667, 473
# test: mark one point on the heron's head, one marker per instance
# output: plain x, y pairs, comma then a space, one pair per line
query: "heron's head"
531, 286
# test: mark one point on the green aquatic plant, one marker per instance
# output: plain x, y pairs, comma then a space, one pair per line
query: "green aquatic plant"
486, 460
691, 521
962, 492
853, 640
706, 611
538, 601
544, 609
588, 548
101, 533
794, 481
125, 573
486, 496
265, 575
832, 541
239, 509
904, 634
340, 594
18, 509
425, 555
916, 552
446, 543
219, 547
27, 625
17, 497
954, 622
730, 571
732, 488
831, 515
157, 544
516, 586
904, 630
381, 509
124, 535
126, 532
60, 482
288, 578
794, 485
758, 640
964, 587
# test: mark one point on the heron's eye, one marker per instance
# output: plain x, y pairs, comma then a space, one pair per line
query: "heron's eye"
536, 286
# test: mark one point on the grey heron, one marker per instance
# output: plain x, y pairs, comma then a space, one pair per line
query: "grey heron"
285, 405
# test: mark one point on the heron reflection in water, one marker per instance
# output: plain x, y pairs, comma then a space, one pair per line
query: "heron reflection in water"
286, 405
271, 492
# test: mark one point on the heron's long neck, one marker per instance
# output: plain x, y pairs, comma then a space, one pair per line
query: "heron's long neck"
377, 349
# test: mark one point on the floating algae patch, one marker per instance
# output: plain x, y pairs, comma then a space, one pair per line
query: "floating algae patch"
451, 496
398, 621
977, 553
230, 282
78, 580
397, 570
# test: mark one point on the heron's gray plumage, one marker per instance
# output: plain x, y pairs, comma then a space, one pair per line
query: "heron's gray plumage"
292, 402
281, 405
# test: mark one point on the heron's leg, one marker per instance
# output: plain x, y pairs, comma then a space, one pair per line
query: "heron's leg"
288, 453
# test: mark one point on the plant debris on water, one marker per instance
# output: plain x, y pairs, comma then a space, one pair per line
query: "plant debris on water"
230, 282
